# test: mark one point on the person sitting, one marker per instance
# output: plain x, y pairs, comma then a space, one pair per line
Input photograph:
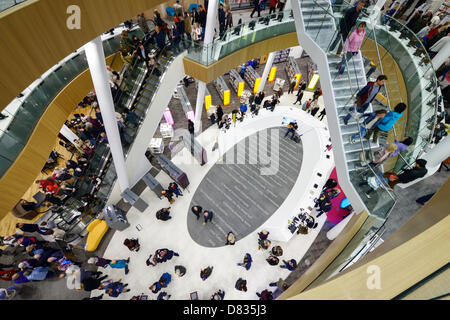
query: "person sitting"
205, 273
241, 285
291, 128
272, 260
132, 244
263, 234
163, 214
277, 251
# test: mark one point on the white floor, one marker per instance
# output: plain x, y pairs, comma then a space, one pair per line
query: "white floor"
173, 234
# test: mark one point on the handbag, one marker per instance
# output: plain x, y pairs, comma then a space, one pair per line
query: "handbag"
302, 230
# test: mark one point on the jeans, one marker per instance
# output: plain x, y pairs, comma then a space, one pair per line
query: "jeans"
359, 109
290, 130
362, 133
336, 40
348, 57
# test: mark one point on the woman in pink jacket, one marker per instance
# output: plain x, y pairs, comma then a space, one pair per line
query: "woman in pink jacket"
352, 46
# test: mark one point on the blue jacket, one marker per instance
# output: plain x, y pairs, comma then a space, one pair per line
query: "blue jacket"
389, 120
167, 277
243, 107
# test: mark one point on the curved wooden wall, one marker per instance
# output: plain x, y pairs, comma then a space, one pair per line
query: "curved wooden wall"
213, 71
35, 36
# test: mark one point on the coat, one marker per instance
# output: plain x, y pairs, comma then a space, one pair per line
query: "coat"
349, 20
187, 25
365, 92
389, 120
354, 42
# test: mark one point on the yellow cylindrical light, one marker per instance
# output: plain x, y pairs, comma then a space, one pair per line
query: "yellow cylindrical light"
226, 97
207, 101
297, 77
240, 88
272, 73
257, 82
313, 81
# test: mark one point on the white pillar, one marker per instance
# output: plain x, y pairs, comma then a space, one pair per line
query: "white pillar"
209, 36
265, 74
288, 5
439, 153
439, 58
201, 89
96, 61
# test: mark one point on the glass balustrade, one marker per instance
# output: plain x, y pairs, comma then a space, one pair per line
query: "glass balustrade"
241, 36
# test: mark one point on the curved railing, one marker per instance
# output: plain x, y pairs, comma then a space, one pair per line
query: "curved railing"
241, 36
6, 4
24, 113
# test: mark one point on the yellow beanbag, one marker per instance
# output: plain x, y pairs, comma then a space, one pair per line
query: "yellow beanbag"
97, 230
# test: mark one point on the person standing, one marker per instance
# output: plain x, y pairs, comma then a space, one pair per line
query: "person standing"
231, 239
322, 114
178, 8
197, 210
195, 16
300, 92
314, 108
202, 20
281, 4
173, 187
365, 96
257, 7
169, 195
352, 47
229, 21
191, 127
142, 22
208, 216
187, 26
221, 16
290, 265
219, 113
292, 86
273, 6
346, 24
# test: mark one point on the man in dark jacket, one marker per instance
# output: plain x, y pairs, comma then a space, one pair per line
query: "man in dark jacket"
346, 24
221, 17
366, 95
142, 53
408, 175
257, 7
160, 38
202, 20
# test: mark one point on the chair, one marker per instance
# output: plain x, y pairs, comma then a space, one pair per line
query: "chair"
97, 229
19, 212
170, 11
39, 197
193, 5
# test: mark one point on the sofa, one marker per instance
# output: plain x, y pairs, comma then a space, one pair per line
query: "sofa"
97, 229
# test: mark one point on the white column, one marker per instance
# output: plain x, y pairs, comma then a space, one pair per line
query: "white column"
201, 89
439, 153
209, 36
439, 58
96, 61
288, 5
265, 74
